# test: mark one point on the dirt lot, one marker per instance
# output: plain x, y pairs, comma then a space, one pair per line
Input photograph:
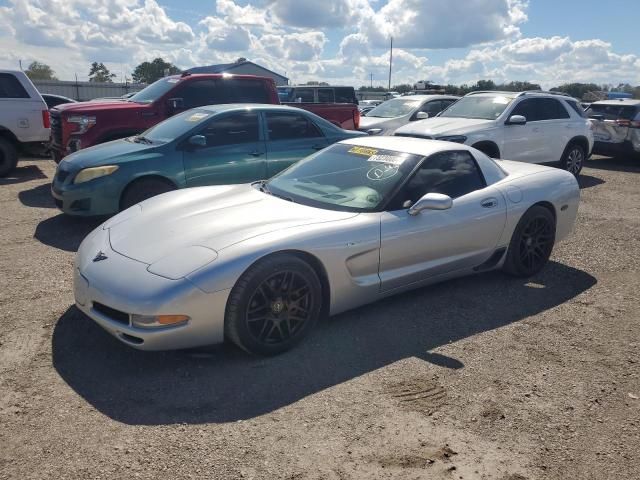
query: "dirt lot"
479, 378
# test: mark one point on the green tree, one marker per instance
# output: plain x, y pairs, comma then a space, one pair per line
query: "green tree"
402, 88
149, 72
100, 73
578, 90
40, 71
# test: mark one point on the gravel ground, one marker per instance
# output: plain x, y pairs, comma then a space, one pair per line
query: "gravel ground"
486, 377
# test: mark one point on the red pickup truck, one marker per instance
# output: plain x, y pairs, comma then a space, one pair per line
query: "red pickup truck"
80, 125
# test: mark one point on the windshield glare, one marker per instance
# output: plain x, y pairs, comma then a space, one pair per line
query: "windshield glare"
487, 107
396, 107
176, 126
345, 177
155, 90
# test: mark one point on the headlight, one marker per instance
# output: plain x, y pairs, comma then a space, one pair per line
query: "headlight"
453, 138
154, 321
83, 123
94, 172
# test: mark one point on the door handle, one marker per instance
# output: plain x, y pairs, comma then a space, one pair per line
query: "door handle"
318, 147
489, 203
256, 153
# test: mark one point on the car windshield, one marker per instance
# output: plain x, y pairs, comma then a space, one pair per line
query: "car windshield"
155, 90
344, 177
487, 107
174, 127
396, 107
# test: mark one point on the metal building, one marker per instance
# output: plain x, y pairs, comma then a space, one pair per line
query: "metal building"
243, 67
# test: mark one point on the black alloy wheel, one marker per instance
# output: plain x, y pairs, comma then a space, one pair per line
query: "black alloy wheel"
532, 242
273, 305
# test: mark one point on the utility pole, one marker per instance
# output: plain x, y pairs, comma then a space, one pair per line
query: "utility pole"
390, 62
20, 62
371, 77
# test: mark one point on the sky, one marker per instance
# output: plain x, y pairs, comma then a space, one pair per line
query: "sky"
338, 41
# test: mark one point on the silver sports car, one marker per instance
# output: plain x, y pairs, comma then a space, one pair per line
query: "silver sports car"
259, 263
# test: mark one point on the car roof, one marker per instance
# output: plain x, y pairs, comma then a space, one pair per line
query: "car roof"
416, 146
428, 97
618, 101
225, 107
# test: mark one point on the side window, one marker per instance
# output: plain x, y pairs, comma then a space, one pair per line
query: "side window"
201, 92
232, 130
345, 95
551, 109
290, 126
325, 95
527, 108
451, 173
305, 94
432, 108
577, 108
10, 87
246, 91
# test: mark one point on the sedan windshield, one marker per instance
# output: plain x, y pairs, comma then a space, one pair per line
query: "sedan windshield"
155, 90
345, 177
487, 107
396, 107
175, 126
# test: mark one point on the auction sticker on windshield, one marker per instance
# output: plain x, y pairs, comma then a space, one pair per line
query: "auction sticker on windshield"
196, 117
388, 159
367, 152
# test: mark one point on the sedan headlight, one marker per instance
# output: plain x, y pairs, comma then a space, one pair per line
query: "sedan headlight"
94, 172
453, 138
155, 321
82, 122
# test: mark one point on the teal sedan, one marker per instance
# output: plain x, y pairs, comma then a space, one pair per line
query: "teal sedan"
212, 145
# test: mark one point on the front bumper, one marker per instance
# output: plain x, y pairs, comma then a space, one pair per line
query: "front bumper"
100, 196
109, 291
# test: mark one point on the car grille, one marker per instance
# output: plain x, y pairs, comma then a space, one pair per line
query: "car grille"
112, 313
56, 127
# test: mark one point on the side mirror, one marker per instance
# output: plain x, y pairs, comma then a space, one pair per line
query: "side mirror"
422, 116
516, 120
597, 116
198, 141
175, 104
431, 201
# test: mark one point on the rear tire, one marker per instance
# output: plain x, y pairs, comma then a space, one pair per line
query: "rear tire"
8, 157
573, 159
531, 243
143, 189
273, 305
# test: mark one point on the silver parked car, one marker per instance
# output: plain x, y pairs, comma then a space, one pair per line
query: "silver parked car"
394, 113
616, 126
363, 219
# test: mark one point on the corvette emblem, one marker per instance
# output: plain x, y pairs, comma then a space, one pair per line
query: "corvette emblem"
99, 257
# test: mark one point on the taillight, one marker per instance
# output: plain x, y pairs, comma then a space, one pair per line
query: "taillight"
356, 119
46, 120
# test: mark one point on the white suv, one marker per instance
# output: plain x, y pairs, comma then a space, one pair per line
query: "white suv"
534, 127
24, 118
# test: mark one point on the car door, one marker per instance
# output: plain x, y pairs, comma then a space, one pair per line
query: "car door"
234, 152
290, 137
528, 142
415, 248
556, 127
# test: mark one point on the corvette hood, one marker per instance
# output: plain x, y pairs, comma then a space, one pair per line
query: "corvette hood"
444, 126
209, 217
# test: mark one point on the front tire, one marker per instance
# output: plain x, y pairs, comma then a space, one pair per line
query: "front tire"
8, 157
573, 159
531, 243
273, 305
143, 189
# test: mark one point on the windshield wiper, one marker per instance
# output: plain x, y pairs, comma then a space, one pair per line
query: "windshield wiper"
141, 139
262, 186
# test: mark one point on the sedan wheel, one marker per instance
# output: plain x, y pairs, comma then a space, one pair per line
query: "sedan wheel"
573, 160
273, 305
532, 242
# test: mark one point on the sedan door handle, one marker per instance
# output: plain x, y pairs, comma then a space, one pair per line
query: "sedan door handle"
256, 153
489, 203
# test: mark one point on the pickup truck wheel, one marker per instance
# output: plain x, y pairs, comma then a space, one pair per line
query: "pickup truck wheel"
143, 189
8, 157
